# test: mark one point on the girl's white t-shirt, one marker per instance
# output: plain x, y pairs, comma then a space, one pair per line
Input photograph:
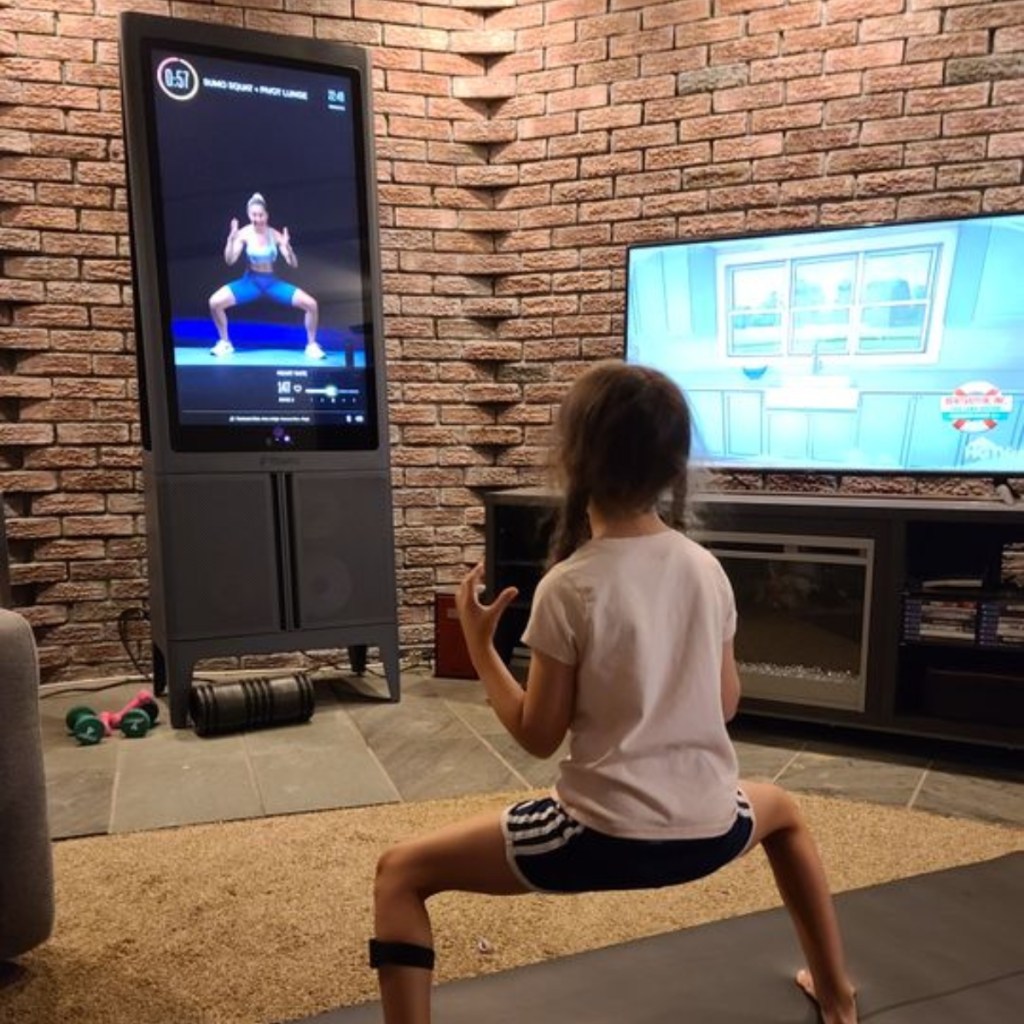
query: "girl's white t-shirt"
644, 620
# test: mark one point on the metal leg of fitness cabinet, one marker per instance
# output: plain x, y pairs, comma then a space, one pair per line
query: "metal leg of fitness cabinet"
357, 658
392, 671
173, 676
159, 671
180, 683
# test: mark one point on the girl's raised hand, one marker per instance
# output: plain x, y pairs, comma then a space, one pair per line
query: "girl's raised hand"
479, 620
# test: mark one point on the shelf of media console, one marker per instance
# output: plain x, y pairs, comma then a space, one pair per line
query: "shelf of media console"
993, 620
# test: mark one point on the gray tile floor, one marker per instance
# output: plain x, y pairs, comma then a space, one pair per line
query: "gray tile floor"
440, 740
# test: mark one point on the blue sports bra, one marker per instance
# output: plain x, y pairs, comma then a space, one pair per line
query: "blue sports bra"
262, 254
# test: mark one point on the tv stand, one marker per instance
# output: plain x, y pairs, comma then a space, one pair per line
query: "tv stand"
899, 615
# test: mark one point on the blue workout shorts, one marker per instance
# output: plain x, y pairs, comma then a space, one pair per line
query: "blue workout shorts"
257, 285
551, 852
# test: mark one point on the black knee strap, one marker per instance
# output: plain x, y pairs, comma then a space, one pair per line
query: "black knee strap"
400, 954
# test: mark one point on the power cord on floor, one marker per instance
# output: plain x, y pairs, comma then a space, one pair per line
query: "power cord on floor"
127, 616
87, 686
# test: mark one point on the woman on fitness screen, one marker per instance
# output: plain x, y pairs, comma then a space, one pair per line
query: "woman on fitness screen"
261, 244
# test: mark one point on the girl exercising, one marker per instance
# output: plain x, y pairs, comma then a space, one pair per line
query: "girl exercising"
631, 638
261, 244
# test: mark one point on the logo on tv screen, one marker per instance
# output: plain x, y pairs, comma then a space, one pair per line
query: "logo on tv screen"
976, 406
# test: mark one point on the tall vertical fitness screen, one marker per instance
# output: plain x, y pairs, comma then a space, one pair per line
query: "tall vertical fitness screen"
256, 277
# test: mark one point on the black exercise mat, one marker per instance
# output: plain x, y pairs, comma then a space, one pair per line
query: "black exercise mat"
941, 948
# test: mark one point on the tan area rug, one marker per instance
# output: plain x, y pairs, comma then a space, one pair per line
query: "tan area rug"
260, 921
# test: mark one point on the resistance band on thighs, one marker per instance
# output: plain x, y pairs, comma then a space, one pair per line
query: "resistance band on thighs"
400, 954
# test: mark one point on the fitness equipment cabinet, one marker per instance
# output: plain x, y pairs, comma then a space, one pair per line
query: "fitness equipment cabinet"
268, 504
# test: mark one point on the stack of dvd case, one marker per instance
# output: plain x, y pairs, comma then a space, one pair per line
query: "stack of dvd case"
1011, 569
1001, 623
926, 619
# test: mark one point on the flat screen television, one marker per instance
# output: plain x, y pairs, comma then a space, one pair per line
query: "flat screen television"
252, 211
889, 348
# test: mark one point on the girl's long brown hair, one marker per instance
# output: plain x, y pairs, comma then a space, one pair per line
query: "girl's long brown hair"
621, 441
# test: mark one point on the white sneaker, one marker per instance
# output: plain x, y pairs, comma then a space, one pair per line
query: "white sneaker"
314, 351
222, 348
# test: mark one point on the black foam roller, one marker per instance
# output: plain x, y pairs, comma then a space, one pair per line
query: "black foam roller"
255, 703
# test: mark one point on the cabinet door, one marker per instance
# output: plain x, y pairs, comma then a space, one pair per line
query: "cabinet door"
342, 550
216, 545
744, 435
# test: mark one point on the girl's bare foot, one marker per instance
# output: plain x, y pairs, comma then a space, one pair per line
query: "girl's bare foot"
842, 1011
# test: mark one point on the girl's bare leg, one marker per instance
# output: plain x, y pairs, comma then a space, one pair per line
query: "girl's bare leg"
465, 857
800, 877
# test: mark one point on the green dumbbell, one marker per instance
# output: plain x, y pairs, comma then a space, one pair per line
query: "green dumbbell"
85, 725
136, 718
135, 723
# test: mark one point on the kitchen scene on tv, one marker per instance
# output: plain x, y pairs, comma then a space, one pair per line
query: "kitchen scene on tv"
888, 348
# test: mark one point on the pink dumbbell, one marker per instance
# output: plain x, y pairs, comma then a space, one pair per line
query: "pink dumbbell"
136, 718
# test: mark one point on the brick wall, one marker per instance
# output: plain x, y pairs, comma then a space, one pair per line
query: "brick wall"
521, 147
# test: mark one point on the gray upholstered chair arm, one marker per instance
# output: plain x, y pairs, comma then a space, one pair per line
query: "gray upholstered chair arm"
26, 855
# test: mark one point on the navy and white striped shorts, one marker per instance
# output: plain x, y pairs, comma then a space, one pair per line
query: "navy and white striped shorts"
552, 852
